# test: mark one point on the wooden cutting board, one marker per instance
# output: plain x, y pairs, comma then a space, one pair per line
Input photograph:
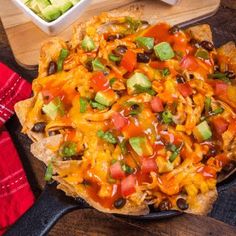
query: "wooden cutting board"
25, 38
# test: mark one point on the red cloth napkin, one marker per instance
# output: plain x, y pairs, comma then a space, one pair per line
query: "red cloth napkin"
15, 193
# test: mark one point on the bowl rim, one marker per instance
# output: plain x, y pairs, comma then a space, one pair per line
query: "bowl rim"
44, 22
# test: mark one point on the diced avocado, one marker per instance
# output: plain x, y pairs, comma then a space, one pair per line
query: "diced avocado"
54, 108
97, 65
141, 146
202, 54
138, 79
202, 131
38, 5
63, 5
88, 44
164, 51
145, 42
106, 98
51, 13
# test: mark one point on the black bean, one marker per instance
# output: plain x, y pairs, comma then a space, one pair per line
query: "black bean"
207, 45
191, 76
121, 50
134, 107
194, 43
89, 66
53, 132
86, 182
149, 51
230, 74
52, 68
120, 92
165, 205
114, 36
142, 57
175, 29
39, 127
144, 22
180, 79
182, 204
119, 203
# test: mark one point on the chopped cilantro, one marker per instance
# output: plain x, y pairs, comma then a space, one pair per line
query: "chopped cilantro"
167, 117
165, 72
83, 105
97, 105
112, 81
68, 149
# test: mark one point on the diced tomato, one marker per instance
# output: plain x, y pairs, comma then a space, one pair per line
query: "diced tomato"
99, 82
129, 61
148, 165
119, 121
116, 171
220, 125
157, 105
189, 62
232, 126
128, 185
220, 88
47, 96
185, 89
222, 160
131, 130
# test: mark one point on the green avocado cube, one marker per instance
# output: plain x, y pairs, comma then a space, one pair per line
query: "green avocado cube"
141, 146
63, 5
106, 98
138, 79
164, 51
51, 13
202, 131
54, 108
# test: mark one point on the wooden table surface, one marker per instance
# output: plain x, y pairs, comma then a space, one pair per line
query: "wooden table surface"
91, 222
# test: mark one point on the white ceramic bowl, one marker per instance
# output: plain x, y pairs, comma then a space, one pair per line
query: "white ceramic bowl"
60, 23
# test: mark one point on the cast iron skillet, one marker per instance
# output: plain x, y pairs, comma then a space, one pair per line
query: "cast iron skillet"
51, 205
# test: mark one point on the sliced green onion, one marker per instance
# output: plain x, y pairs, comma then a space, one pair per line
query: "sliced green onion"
165, 72
164, 51
207, 104
175, 151
83, 105
167, 117
112, 81
113, 57
88, 44
63, 55
49, 172
97, 65
123, 147
202, 131
217, 111
145, 42
127, 169
107, 136
68, 149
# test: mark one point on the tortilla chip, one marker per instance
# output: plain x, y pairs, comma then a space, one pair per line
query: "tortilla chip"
204, 203
22, 108
227, 51
129, 209
44, 149
200, 32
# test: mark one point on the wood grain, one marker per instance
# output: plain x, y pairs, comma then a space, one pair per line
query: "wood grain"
25, 38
